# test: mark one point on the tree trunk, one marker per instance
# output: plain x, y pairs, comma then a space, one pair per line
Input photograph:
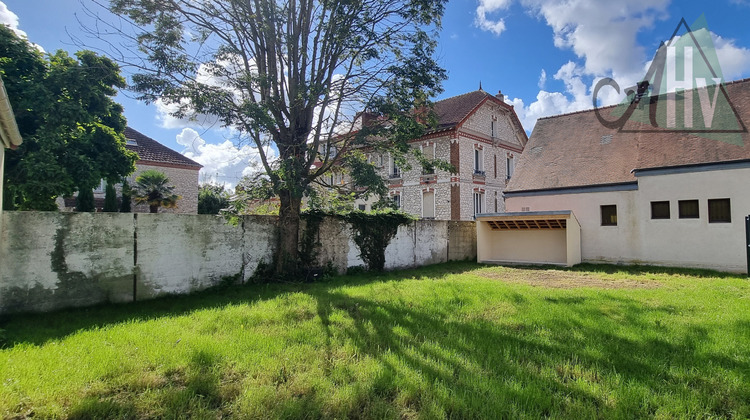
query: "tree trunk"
287, 258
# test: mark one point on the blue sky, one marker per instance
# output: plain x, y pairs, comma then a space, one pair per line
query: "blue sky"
545, 56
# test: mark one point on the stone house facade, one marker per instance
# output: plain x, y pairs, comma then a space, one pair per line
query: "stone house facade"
181, 171
482, 137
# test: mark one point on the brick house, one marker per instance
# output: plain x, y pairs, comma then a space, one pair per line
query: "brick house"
181, 171
482, 137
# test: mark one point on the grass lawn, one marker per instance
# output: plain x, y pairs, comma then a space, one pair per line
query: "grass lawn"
456, 340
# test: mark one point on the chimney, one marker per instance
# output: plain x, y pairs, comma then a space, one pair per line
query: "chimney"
500, 96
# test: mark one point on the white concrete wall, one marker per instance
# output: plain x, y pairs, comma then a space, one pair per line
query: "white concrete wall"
669, 242
52, 260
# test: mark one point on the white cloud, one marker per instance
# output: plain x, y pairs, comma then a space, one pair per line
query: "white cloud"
223, 163
10, 19
542, 80
603, 35
484, 21
734, 60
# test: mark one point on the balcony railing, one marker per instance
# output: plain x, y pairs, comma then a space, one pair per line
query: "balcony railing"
478, 172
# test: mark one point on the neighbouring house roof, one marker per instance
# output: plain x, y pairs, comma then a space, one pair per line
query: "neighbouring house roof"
152, 152
576, 150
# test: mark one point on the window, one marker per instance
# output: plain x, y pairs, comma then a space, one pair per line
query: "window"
428, 205
719, 211
478, 202
609, 215
397, 200
688, 209
660, 209
495, 160
395, 171
362, 207
478, 165
429, 154
492, 127
509, 167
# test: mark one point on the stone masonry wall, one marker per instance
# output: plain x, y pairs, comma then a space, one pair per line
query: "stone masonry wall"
186, 186
54, 260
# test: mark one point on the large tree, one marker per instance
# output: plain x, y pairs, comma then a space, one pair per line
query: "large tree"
291, 74
71, 127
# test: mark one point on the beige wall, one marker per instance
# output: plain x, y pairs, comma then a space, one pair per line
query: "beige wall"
522, 246
186, 186
670, 242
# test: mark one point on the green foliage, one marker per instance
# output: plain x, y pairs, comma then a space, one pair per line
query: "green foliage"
151, 188
127, 194
85, 200
457, 340
373, 231
212, 199
71, 127
281, 63
110, 198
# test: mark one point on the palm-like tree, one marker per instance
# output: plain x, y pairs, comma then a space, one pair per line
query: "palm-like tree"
151, 188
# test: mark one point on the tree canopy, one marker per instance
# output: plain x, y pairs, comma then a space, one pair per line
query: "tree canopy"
292, 75
71, 127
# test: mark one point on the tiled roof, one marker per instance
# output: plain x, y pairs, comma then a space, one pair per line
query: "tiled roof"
453, 110
151, 150
575, 150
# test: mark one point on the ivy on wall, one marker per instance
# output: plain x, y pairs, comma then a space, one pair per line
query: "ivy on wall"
371, 232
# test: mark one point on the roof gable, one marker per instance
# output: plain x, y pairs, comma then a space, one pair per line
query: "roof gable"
574, 150
454, 111
152, 151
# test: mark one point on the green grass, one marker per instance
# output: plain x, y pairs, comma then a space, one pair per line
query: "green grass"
455, 340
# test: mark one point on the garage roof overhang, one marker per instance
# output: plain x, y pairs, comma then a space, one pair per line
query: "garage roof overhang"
526, 220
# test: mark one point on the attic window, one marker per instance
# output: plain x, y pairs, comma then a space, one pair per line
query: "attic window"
131, 142
606, 139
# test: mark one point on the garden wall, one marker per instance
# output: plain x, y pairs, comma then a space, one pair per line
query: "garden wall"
51, 260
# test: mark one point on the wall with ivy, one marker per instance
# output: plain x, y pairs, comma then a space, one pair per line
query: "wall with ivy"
51, 260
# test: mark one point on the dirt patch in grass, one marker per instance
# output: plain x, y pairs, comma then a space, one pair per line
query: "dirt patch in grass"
558, 279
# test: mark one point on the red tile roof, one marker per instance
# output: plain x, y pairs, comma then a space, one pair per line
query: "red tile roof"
575, 150
454, 110
152, 151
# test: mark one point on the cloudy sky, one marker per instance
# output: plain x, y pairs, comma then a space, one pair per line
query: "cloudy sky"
545, 56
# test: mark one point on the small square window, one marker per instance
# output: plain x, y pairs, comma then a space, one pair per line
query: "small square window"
362, 207
688, 209
719, 211
609, 215
660, 209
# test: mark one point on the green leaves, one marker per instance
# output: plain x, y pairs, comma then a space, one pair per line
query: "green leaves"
151, 187
71, 127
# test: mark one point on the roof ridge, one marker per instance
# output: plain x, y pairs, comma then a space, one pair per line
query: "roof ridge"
581, 111
462, 94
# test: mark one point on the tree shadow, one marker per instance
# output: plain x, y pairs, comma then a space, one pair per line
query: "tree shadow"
550, 369
39, 328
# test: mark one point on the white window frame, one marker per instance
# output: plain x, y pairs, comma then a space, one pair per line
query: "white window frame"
478, 161
479, 201
509, 166
434, 204
393, 170
434, 151
397, 199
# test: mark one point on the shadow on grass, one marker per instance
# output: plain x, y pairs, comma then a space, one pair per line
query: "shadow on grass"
581, 366
39, 328
605, 358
